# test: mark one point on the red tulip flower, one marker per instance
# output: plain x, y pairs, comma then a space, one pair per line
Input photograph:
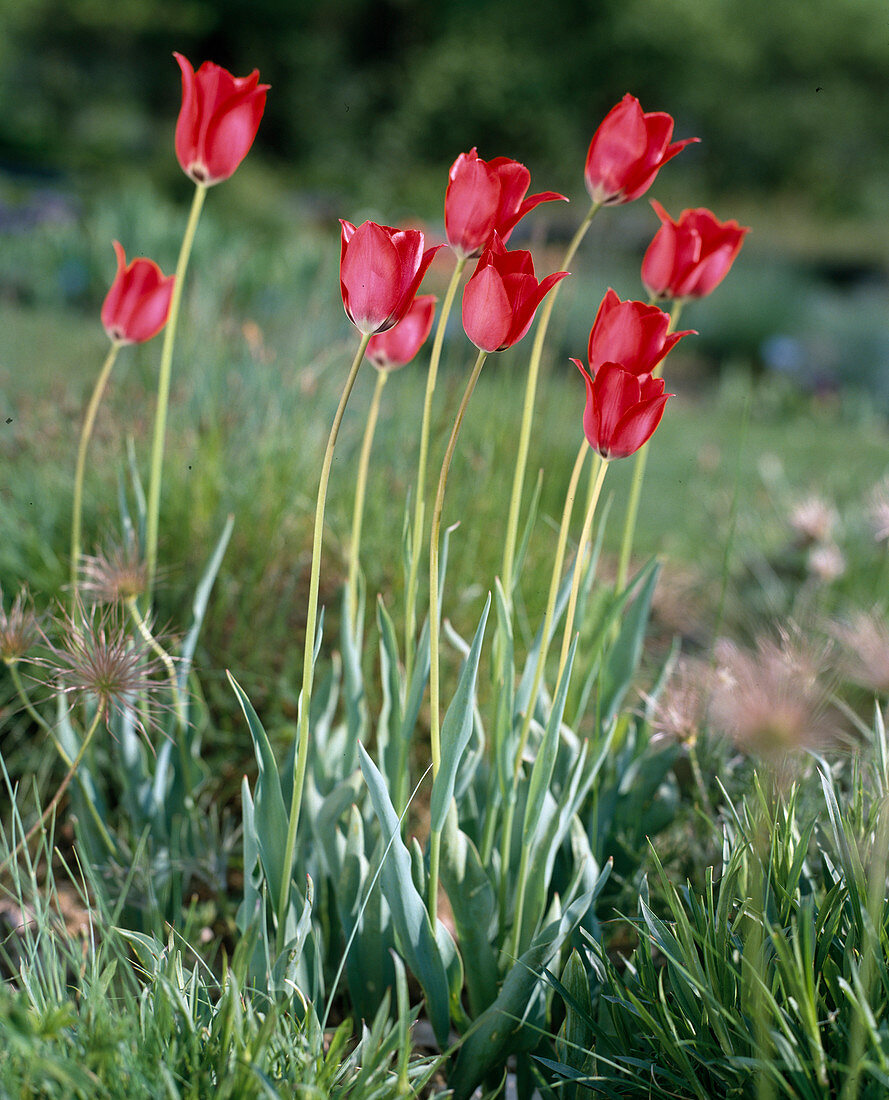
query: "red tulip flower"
484, 196
137, 305
218, 120
502, 296
397, 346
622, 409
691, 257
380, 272
626, 152
630, 333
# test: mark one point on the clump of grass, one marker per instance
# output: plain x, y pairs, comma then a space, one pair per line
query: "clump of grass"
767, 978
99, 1011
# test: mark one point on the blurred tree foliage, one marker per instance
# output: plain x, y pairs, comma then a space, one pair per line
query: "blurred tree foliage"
370, 96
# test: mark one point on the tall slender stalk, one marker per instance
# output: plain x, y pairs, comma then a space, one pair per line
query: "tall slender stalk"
305, 698
518, 481
360, 490
578, 567
434, 624
626, 544
85, 436
410, 614
163, 392
506, 835
555, 580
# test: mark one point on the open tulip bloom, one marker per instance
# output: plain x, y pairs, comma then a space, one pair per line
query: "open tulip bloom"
138, 303
622, 409
627, 151
485, 196
218, 120
633, 334
689, 258
380, 272
397, 346
502, 296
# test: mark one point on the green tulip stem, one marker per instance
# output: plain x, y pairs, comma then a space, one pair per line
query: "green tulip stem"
550, 604
506, 836
163, 392
578, 566
626, 544
410, 614
360, 490
165, 658
85, 436
435, 625
305, 698
57, 797
518, 480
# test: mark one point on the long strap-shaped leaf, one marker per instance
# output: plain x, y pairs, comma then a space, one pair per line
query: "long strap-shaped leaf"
457, 729
412, 925
269, 814
497, 1032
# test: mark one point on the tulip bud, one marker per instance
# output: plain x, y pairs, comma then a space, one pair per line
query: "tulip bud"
627, 152
502, 296
630, 333
691, 257
380, 272
484, 197
137, 305
622, 409
218, 120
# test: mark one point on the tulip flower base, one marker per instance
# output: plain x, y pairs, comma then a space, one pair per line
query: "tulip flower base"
453, 800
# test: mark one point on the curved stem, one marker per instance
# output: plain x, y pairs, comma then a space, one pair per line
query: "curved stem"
85, 436
550, 604
434, 624
506, 838
626, 544
57, 797
305, 697
32, 711
410, 613
163, 392
166, 659
518, 481
578, 567
360, 490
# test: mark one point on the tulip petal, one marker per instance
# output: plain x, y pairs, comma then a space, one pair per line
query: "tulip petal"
657, 263
370, 276
425, 260
487, 310
590, 412
399, 344
637, 426
619, 141
514, 180
471, 202
616, 391
409, 246
187, 122
231, 133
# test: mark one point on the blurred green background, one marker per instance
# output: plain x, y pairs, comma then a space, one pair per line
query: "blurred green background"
371, 102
